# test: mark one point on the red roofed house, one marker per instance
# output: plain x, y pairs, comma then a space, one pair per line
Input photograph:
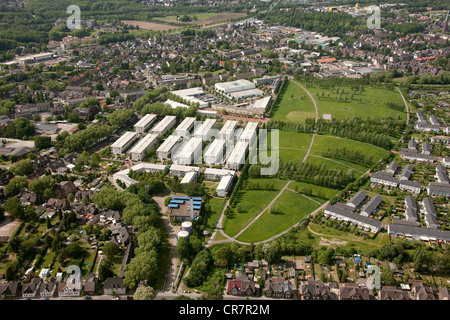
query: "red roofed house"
327, 60
241, 286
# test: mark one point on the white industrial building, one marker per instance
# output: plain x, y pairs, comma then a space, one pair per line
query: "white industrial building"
168, 147
234, 86
237, 157
121, 144
145, 122
181, 171
249, 133
224, 186
217, 174
147, 167
192, 95
175, 104
227, 131
138, 151
262, 104
189, 177
185, 127
189, 152
238, 89
204, 130
164, 125
215, 154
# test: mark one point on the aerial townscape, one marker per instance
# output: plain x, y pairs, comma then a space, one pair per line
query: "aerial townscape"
224, 150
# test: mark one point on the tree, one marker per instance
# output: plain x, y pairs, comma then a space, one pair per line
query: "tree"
142, 267
15, 185
144, 293
111, 249
14, 208
22, 168
105, 270
42, 142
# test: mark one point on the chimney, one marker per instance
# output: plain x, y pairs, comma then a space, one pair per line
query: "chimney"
191, 209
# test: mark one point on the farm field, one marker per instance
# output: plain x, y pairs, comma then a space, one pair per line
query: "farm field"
294, 105
292, 208
149, 25
369, 103
204, 18
252, 202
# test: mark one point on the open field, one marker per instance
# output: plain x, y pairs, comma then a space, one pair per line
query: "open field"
216, 210
323, 143
318, 193
252, 202
149, 25
370, 103
293, 145
205, 18
292, 208
294, 105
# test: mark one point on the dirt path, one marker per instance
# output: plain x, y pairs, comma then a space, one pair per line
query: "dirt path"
340, 237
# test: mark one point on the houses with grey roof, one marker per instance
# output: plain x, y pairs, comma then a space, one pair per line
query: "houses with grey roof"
356, 201
384, 178
411, 208
371, 206
354, 218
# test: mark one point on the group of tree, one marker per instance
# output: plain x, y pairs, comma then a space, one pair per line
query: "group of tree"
163, 109
81, 139
20, 128
350, 155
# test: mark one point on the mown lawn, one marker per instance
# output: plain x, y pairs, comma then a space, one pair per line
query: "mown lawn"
294, 105
292, 208
251, 203
372, 104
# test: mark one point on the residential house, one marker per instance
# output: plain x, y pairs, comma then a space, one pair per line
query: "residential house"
241, 286
279, 288
29, 290
10, 289
352, 291
90, 284
316, 290
69, 288
420, 291
114, 285
393, 293
47, 289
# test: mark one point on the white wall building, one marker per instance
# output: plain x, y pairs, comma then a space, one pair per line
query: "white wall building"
181, 171
215, 154
227, 131
237, 157
125, 141
224, 186
168, 147
234, 86
217, 174
145, 122
185, 127
164, 125
189, 177
138, 151
249, 133
204, 130
189, 152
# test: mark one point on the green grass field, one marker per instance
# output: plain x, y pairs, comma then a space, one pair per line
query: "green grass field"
322, 143
292, 208
251, 202
371, 105
295, 105
293, 145
216, 210
325, 193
